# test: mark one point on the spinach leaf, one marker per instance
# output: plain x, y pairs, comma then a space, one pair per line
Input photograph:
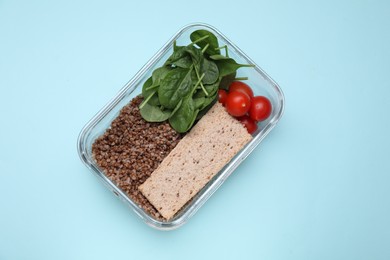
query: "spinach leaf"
183, 119
199, 101
198, 91
212, 88
176, 108
206, 108
175, 86
198, 94
147, 92
174, 45
146, 85
208, 100
184, 62
228, 66
186, 87
178, 53
159, 73
211, 40
194, 117
154, 114
194, 77
218, 57
196, 56
227, 80
185, 57
210, 70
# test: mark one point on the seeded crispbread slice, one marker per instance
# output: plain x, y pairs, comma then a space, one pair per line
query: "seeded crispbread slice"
199, 156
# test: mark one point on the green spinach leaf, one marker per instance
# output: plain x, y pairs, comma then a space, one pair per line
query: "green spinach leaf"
176, 108
147, 92
228, 66
212, 88
227, 80
206, 108
209, 100
154, 114
159, 73
182, 120
184, 62
196, 56
175, 86
218, 57
211, 40
178, 53
210, 70
199, 101
186, 87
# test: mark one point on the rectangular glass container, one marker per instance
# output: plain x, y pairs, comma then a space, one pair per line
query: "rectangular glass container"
260, 82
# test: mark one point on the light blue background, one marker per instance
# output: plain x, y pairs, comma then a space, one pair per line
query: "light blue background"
316, 188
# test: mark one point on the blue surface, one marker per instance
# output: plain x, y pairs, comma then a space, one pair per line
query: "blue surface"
316, 188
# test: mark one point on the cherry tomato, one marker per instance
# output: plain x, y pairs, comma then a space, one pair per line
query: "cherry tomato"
237, 103
249, 123
260, 109
222, 96
241, 86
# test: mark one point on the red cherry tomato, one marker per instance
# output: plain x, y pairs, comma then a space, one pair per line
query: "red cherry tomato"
241, 86
222, 96
260, 109
237, 103
249, 123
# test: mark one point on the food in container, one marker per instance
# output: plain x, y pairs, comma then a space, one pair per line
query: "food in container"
113, 116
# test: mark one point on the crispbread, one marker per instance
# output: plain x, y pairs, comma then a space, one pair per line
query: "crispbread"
199, 156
